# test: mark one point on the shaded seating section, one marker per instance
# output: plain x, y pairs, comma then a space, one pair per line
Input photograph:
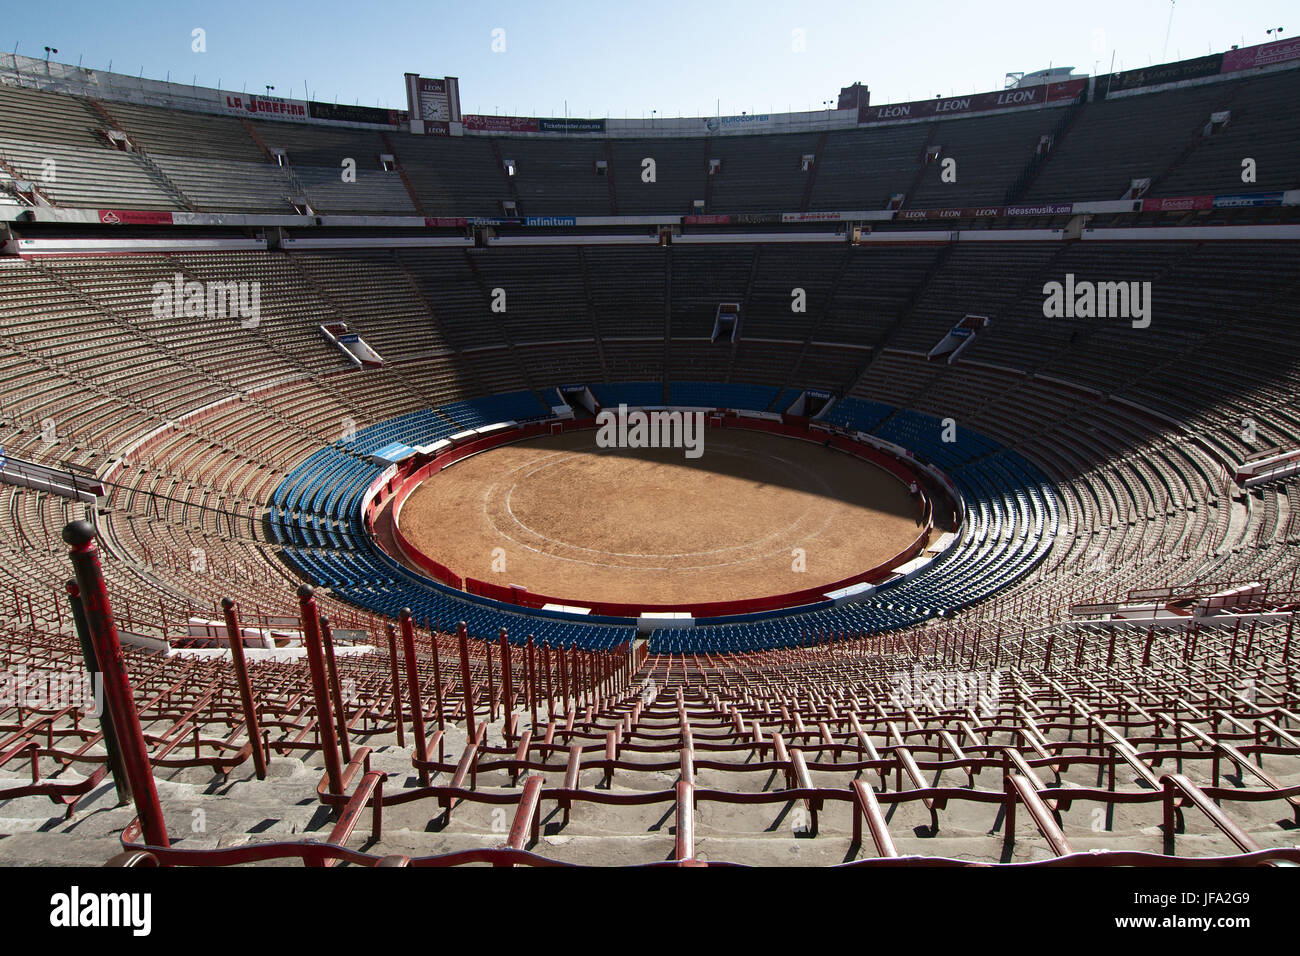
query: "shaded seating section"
558, 177
1153, 131
1263, 127
721, 395
680, 174
541, 292
990, 153
182, 160
629, 393
516, 406
864, 168
850, 412
453, 178
760, 173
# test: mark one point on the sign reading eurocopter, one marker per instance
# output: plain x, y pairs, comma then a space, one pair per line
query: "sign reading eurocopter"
746, 120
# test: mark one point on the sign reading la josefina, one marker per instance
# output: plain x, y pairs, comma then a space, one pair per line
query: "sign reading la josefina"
271, 106
500, 124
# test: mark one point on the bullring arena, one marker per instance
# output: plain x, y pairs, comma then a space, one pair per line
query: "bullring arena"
950, 583
754, 515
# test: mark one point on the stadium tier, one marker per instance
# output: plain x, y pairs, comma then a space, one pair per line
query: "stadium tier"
1093, 610
1086, 149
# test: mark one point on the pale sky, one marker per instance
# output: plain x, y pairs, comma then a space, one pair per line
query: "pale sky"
621, 58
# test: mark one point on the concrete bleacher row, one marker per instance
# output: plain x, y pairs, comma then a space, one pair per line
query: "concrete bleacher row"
197, 424
1134, 486
956, 745
216, 163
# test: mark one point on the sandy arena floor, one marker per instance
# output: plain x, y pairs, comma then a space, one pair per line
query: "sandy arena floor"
584, 523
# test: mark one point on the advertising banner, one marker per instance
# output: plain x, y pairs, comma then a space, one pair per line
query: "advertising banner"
967, 212
550, 221
134, 217
1248, 201
440, 222
342, 113
1161, 73
812, 217
501, 124
567, 125
265, 107
731, 124
711, 220
940, 107
1266, 54
1178, 204
1042, 209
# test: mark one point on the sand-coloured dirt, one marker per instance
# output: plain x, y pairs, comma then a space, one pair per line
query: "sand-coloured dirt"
584, 523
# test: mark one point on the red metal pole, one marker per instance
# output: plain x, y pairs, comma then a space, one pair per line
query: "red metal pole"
396, 682
546, 668
120, 780
585, 658
437, 679
332, 669
320, 688
245, 688
467, 687
413, 688
564, 679
507, 678
532, 680
492, 691
80, 535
